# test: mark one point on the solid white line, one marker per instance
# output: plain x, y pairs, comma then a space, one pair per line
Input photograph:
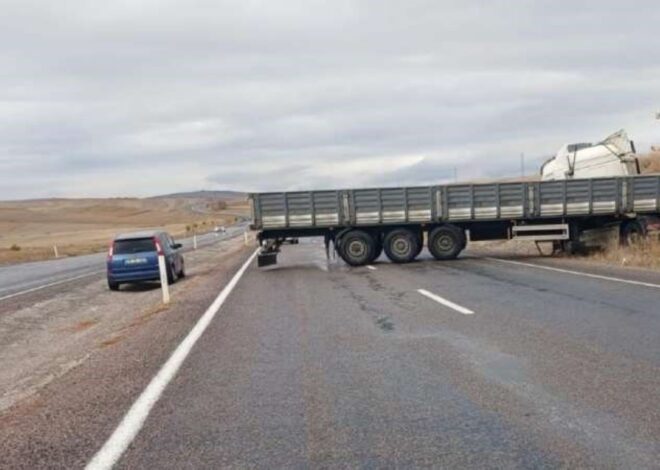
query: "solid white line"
373, 268
578, 273
445, 302
57, 283
134, 419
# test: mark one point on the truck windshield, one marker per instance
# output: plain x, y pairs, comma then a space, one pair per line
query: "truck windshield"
137, 245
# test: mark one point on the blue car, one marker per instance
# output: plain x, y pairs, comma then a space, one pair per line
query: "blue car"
133, 257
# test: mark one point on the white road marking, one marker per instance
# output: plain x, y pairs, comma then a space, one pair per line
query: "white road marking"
578, 273
134, 419
373, 268
445, 302
57, 283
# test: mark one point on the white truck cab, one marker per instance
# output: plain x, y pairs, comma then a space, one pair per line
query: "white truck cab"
614, 156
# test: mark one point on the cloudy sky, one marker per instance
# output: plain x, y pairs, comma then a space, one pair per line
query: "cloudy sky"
141, 97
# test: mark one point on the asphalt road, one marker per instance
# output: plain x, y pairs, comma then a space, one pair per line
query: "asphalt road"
19, 278
315, 365
476, 363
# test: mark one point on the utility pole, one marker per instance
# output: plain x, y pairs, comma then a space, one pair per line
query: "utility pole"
522, 164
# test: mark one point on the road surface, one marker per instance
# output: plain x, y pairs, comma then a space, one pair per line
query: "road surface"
19, 278
476, 363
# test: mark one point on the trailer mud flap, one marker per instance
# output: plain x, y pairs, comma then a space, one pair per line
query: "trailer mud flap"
266, 259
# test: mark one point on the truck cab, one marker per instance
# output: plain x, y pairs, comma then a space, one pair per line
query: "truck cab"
614, 156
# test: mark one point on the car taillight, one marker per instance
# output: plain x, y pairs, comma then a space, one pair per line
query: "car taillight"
159, 248
111, 251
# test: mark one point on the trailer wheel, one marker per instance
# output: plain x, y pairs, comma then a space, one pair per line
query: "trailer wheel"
420, 246
401, 245
377, 251
446, 242
357, 248
632, 232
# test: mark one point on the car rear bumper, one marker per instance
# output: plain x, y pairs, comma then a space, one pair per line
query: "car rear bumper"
134, 276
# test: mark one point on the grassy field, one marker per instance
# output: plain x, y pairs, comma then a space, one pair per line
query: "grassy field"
30, 229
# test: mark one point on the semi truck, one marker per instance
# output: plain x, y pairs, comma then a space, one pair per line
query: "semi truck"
563, 208
613, 156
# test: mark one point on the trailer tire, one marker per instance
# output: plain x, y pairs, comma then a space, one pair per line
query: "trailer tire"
446, 242
401, 245
357, 248
420, 246
377, 251
632, 232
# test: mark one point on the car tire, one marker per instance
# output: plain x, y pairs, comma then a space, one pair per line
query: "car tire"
357, 248
113, 286
171, 275
401, 245
182, 271
446, 242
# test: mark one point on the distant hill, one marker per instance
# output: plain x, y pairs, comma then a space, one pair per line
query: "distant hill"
204, 195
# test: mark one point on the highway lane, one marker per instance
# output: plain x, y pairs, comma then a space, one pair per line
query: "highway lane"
26, 277
313, 364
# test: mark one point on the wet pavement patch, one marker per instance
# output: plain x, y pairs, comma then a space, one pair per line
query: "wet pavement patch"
385, 323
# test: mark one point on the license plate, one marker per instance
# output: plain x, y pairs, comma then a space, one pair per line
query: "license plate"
136, 261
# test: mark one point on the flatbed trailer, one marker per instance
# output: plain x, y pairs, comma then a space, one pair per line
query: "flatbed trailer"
361, 223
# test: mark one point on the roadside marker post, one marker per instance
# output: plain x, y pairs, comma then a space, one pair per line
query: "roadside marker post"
247, 240
163, 279
57, 254
194, 241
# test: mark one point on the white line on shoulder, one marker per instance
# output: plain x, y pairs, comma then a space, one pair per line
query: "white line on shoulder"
57, 283
578, 273
445, 302
134, 419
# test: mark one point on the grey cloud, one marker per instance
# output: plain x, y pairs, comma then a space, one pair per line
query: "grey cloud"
165, 96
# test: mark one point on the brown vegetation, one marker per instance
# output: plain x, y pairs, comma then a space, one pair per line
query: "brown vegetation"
645, 254
650, 163
30, 229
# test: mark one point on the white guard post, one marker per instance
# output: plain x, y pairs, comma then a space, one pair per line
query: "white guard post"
163, 274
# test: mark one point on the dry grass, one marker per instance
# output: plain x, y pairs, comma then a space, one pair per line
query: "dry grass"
645, 254
83, 226
650, 162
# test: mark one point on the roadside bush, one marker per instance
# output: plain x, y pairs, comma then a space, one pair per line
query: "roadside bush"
15, 247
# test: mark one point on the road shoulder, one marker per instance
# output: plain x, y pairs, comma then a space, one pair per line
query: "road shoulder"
67, 420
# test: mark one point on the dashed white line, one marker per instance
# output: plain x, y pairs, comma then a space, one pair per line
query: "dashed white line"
373, 268
134, 419
52, 284
445, 302
577, 273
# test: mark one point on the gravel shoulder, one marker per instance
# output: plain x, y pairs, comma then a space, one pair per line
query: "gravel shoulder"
73, 362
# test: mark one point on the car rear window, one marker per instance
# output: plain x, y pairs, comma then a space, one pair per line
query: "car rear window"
137, 245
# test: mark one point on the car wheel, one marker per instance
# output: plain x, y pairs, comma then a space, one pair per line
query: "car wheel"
114, 286
182, 272
171, 275
446, 242
401, 245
